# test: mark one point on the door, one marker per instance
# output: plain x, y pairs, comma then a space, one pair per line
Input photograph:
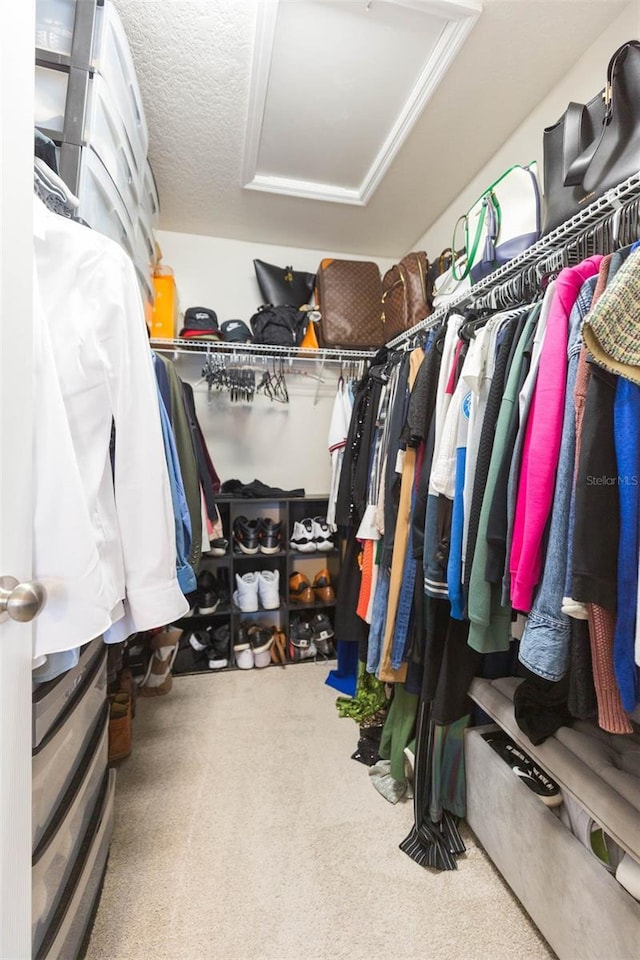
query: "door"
16, 528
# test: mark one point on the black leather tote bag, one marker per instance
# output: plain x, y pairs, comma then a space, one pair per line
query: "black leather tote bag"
594, 146
283, 286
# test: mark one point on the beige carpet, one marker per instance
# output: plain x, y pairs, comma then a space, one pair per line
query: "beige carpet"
244, 831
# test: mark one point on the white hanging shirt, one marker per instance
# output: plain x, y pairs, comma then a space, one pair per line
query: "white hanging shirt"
336, 442
104, 541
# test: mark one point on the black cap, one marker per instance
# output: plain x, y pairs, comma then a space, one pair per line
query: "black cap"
201, 318
235, 331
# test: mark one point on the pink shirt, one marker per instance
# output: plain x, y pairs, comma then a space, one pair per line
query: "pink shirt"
541, 447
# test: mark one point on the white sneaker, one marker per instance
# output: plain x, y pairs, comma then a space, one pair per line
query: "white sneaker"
303, 536
242, 650
322, 535
246, 596
269, 589
244, 659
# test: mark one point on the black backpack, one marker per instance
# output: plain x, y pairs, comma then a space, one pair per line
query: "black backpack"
279, 326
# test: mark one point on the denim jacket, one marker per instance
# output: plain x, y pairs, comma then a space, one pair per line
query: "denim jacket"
544, 648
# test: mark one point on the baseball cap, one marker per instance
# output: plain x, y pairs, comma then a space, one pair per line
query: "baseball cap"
235, 331
200, 322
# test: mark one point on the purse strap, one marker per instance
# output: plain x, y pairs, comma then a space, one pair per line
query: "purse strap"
489, 199
575, 171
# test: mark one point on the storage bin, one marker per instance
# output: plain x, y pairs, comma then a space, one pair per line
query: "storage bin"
54, 25
101, 205
69, 928
150, 198
56, 760
56, 856
111, 57
50, 699
571, 897
103, 129
165, 308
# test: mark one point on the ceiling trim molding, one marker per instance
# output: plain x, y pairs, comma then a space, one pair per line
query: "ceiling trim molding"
461, 14
288, 187
264, 38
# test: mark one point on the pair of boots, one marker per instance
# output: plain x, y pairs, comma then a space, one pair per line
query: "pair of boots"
257, 589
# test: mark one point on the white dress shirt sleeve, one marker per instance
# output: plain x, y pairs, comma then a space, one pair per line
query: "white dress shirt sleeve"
141, 482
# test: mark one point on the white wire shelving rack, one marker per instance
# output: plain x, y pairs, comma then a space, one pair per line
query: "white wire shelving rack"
239, 351
536, 257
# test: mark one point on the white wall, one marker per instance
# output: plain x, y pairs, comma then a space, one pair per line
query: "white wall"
581, 83
282, 445
218, 273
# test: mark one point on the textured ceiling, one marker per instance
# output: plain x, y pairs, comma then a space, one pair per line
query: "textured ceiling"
193, 59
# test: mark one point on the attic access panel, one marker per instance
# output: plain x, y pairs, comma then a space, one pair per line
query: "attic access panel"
337, 86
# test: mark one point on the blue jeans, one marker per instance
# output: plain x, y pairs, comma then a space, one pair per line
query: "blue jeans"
378, 621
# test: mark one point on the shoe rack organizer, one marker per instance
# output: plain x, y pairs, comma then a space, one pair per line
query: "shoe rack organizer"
286, 561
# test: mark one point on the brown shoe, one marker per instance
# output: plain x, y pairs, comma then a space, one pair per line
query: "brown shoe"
322, 588
119, 727
300, 589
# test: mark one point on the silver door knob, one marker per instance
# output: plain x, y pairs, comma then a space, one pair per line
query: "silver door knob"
20, 601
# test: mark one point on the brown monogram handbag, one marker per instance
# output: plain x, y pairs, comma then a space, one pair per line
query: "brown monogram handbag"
349, 294
406, 294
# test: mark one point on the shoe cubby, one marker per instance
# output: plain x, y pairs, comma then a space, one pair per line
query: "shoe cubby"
259, 534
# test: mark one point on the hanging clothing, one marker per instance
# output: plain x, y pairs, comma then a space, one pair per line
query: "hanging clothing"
337, 441
386, 671
490, 619
542, 439
118, 545
187, 456
544, 648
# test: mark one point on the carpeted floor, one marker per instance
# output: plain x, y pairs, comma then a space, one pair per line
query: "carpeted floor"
244, 831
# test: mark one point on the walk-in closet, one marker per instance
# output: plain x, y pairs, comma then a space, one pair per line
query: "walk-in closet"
320, 480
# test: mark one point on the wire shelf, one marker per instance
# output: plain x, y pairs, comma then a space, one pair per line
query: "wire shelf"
596, 213
236, 350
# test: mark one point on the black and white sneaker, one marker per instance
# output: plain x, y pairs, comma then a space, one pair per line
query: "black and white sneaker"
301, 644
303, 537
322, 535
217, 547
525, 768
246, 535
199, 640
208, 593
218, 649
322, 633
270, 535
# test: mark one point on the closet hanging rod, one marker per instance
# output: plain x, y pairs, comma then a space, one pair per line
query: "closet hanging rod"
595, 214
267, 351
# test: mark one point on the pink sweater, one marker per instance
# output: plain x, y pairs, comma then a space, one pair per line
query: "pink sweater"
541, 447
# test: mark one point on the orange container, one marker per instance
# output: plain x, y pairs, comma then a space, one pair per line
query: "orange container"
165, 308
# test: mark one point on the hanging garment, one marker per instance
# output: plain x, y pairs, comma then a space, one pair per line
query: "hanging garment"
386, 671
185, 573
337, 441
542, 440
186, 455
544, 648
490, 620
574, 609
121, 521
626, 425
485, 445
